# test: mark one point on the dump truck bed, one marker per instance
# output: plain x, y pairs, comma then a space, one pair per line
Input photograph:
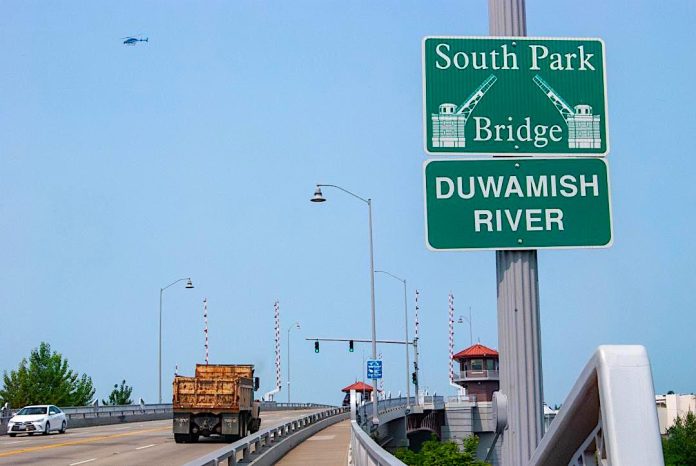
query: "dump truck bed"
224, 371
216, 388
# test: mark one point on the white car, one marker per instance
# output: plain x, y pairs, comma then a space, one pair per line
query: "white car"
39, 418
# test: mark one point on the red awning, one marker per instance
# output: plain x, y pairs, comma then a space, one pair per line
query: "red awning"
476, 351
358, 387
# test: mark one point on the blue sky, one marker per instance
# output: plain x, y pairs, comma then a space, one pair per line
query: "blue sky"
123, 169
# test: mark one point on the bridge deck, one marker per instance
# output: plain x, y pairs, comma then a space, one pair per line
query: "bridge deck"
327, 447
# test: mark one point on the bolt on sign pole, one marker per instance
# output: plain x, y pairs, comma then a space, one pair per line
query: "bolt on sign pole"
519, 337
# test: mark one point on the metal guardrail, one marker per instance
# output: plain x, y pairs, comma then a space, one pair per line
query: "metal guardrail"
85, 412
275, 406
250, 448
365, 452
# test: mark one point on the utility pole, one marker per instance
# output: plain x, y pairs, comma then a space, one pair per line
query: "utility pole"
519, 338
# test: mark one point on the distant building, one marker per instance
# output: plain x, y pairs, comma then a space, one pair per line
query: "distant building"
670, 406
472, 413
549, 415
478, 371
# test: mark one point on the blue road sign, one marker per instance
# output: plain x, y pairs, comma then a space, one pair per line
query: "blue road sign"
374, 369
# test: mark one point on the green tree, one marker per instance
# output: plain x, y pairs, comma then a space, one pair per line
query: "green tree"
45, 378
679, 447
120, 395
436, 453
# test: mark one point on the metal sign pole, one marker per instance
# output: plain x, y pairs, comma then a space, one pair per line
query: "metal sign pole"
519, 337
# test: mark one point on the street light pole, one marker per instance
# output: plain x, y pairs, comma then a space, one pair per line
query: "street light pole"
461, 321
189, 285
408, 362
319, 197
295, 325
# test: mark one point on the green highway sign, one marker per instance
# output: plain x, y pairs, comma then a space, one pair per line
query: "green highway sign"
517, 203
515, 95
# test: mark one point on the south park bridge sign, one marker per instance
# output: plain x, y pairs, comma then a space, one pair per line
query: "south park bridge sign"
513, 96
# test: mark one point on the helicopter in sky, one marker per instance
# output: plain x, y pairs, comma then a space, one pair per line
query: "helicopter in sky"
133, 40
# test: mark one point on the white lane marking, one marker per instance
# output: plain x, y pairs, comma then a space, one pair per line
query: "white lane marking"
146, 446
321, 437
83, 462
122, 428
16, 441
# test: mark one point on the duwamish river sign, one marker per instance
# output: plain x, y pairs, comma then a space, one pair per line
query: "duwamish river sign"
517, 203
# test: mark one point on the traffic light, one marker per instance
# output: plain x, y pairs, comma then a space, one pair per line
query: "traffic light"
316, 346
414, 378
350, 346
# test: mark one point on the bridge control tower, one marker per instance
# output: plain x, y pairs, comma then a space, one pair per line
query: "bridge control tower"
478, 371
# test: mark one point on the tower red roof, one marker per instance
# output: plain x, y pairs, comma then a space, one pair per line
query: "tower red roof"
358, 387
476, 351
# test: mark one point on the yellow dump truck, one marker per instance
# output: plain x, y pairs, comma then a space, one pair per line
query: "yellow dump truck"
219, 400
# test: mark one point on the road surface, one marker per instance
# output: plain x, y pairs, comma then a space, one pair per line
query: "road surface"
138, 443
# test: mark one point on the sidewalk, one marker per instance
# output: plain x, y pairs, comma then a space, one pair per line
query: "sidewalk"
327, 447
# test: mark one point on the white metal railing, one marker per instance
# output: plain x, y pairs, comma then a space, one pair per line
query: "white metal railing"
432, 401
482, 374
609, 417
248, 449
461, 399
364, 412
365, 452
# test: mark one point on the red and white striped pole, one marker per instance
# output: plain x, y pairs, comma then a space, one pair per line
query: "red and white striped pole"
268, 396
451, 339
415, 349
276, 308
205, 330
417, 322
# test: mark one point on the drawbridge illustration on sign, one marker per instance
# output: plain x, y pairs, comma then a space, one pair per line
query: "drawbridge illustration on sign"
583, 126
449, 123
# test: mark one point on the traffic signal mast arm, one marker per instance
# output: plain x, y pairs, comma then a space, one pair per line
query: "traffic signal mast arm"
357, 340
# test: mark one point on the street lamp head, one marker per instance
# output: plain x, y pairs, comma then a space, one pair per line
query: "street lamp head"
461, 320
318, 196
189, 284
297, 324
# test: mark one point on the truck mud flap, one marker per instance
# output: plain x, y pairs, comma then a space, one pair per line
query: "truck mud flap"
182, 423
230, 424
